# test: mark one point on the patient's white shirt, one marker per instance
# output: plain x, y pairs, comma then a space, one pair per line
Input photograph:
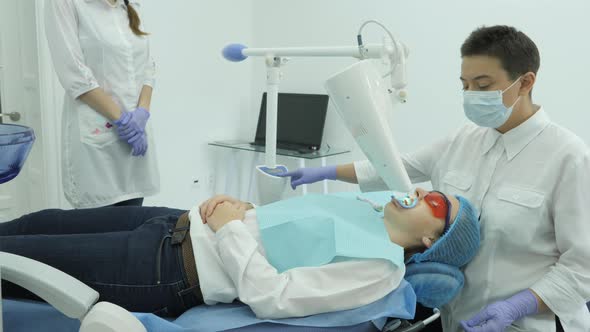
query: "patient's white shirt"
231, 265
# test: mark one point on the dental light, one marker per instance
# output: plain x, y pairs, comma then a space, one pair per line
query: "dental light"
360, 95
362, 102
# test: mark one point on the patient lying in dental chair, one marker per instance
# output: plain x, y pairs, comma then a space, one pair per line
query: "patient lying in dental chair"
297, 257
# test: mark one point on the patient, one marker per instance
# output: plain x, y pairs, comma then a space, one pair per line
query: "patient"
143, 258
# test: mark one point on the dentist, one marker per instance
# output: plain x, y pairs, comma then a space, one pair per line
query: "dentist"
528, 177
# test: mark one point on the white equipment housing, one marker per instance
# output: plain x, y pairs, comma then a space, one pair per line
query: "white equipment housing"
363, 101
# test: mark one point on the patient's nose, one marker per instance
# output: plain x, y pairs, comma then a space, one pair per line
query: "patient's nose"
421, 193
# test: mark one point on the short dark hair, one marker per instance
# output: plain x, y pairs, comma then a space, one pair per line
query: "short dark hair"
517, 53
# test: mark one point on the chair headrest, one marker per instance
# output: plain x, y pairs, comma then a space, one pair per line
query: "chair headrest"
435, 284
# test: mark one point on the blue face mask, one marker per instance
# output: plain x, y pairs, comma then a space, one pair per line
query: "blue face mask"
486, 108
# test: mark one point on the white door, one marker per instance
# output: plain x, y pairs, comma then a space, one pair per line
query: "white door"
19, 92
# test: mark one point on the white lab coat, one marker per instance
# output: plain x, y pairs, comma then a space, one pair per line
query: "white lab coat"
531, 186
231, 264
92, 46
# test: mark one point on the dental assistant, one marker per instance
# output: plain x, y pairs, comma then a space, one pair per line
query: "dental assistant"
102, 59
528, 177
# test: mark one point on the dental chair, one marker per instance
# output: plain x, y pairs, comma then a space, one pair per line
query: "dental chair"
71, 305
431, 284
66, 294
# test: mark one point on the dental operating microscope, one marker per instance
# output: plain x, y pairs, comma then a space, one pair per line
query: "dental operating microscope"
363, 96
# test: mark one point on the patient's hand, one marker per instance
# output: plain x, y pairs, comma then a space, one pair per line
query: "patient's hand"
207, 207
224, 213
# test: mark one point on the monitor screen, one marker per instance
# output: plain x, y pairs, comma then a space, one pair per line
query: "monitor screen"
300, 119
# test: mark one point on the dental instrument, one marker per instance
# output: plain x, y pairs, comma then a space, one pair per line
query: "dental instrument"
406, 201
375, 206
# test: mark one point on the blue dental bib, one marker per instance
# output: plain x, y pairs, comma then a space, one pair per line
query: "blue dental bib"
314, 230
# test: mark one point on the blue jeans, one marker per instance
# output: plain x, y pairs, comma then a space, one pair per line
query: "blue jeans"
132, 202
124, 253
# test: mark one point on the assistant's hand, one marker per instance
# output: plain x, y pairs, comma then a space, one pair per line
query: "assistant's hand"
207, 207
497, 316
139, 145
308, 175
137, 140
224, 213
135, 124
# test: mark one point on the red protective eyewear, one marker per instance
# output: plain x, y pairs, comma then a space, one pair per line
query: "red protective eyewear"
440, 206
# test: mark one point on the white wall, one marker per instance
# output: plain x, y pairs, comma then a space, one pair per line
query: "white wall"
198, 97
434, 32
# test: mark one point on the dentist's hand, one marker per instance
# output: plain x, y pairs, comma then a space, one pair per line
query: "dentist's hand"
497, 316
308, 175
135, 124
223, 214
207, 207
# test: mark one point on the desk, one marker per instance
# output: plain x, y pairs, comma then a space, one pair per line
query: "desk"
302, 155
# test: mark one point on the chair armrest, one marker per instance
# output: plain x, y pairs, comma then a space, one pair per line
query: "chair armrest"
67, 294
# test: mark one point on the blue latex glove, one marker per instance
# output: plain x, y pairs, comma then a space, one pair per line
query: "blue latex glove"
135, 124
497, 316
310, 175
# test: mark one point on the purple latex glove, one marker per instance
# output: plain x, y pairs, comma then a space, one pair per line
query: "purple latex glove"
137, 140
136, 123
139, 145
123, 122
310, 175
497, 316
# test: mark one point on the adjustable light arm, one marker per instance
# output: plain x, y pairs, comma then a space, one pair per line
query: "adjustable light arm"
391, 50
238, 52
365, 111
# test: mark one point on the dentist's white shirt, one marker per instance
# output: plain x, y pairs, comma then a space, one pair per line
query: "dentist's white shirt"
532, 189
92, 46
231, 265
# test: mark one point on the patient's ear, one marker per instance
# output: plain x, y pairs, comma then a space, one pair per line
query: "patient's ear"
427, 241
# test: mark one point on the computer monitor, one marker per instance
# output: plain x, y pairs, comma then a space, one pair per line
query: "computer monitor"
300, 120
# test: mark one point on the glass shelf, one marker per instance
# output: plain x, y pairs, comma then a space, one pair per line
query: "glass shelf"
306, 154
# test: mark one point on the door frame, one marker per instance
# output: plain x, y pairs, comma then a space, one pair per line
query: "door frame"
51, 97
37, 95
